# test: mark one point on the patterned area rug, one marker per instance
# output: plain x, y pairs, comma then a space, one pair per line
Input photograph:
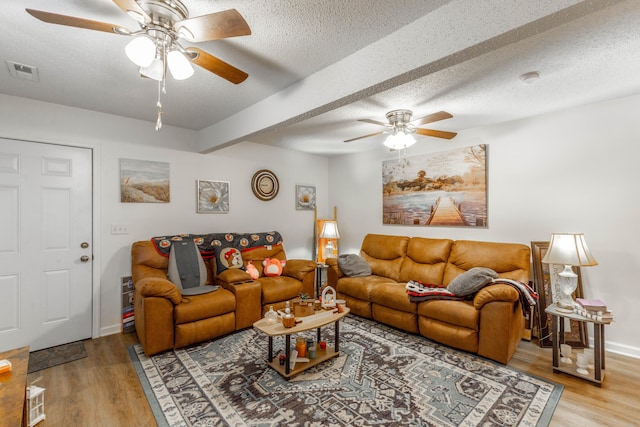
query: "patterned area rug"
383, 377
53, 356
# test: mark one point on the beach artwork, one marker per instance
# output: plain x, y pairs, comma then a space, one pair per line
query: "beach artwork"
447, 188
143, 181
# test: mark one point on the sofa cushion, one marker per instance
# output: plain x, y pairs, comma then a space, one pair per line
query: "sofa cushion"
353, 265
425, 260
227, 258
198, 307
361, 287
384, 254
509, 260
393, 295
471, 281
277, 289
458, 313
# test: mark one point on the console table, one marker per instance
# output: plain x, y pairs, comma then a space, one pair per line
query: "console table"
13, 387
595, 375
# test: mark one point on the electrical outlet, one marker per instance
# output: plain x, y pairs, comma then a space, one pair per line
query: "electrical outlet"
119, 229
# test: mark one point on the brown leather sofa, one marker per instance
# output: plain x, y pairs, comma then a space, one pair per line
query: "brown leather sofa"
490, 324
164, 319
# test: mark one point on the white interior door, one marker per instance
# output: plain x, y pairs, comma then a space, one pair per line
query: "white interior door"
45, 244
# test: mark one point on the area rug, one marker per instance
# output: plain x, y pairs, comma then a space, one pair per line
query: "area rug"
383, 377
53, 356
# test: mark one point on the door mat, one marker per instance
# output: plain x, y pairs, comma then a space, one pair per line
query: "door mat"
53, 356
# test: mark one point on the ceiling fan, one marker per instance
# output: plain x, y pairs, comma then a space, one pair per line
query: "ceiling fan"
401, 128
156, 48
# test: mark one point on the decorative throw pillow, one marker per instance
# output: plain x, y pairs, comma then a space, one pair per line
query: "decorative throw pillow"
227, 258
272, 267
353, 265
471, 281
252, 270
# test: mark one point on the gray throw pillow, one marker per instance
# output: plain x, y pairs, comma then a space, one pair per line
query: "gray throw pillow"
353, 265
471, 281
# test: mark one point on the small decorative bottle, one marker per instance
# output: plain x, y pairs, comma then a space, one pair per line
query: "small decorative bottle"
288, 319
271, 316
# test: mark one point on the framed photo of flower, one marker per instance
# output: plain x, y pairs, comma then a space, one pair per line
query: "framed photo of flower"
212, 196
305, 197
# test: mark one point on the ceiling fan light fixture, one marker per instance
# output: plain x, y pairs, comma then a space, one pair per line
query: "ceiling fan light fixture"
179, 65
141, 51
399, 140
154, 71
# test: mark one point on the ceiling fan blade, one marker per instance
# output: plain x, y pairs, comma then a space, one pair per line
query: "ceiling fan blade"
214, 26
436, 133
373, 122
71, 21
131, 8
364, 136
441, 115
216, 65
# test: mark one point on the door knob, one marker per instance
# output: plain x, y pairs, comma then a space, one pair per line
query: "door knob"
84, 245
84, 258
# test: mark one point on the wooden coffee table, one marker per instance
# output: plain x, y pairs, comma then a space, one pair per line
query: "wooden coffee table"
316, 321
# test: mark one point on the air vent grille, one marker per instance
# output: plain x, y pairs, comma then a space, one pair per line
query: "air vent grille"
23, 71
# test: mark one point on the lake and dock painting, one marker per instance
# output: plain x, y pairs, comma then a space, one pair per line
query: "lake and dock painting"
447, 188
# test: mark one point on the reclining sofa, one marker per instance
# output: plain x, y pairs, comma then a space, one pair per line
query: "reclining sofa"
165, 319
489, 323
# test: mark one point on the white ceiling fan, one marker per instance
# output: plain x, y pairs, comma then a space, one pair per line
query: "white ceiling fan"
156, 45
401, 128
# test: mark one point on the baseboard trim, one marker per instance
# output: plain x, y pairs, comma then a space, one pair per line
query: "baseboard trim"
110, 330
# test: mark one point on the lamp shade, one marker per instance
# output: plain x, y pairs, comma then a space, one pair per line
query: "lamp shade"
141, 51
569, 249
330, 230
399, 140
179, 65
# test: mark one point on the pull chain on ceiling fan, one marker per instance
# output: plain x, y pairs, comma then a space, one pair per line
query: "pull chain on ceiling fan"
401, 128
155, 47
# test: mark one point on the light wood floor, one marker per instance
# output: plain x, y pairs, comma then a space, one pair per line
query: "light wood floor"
103, 389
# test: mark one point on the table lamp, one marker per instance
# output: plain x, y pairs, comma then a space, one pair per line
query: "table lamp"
568, 249
329, 232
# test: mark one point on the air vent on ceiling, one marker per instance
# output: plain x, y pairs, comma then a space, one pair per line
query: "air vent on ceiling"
23, 71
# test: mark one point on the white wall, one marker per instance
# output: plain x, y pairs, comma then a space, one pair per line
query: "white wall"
114, 137
571, 171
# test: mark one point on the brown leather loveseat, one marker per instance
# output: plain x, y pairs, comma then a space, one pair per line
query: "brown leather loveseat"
489, 324
165, 319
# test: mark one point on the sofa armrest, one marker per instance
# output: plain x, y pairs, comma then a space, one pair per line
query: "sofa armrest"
496, 292
298, 268
161, 288
233, 276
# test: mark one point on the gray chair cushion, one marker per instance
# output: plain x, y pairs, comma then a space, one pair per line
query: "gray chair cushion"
353, 265
471, 281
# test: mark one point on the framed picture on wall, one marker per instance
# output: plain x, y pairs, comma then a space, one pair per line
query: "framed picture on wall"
212, 196
546, 278
305, 197
144, 181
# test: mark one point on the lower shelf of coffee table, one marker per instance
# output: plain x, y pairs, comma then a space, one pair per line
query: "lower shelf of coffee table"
321, 356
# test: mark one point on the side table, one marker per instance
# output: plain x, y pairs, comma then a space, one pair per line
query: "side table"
557, 331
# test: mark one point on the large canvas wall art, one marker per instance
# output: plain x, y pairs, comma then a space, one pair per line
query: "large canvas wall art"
447, 188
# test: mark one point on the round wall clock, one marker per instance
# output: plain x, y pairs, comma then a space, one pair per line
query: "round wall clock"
264, 184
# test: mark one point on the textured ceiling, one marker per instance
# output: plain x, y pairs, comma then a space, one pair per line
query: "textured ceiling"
316, 66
